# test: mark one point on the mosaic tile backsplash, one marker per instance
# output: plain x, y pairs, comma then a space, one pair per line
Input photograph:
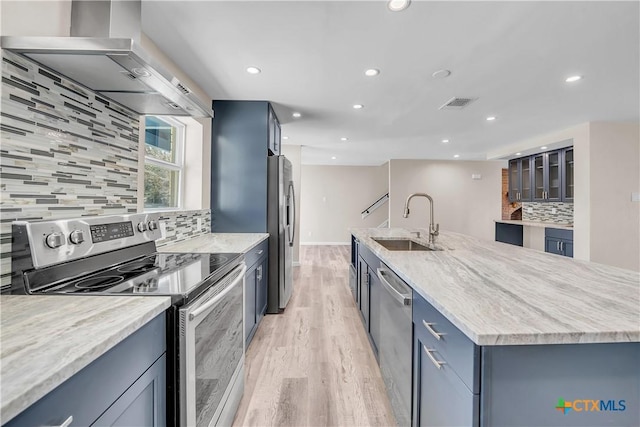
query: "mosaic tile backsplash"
544, 212
66, 152
184, 225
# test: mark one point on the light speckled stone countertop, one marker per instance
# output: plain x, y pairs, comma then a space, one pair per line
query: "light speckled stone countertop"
500, 294
542, 224
45, 340
218, 242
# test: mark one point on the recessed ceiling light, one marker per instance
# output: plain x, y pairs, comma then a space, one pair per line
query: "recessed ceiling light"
455, 156
285, 137
491, 118
344, 138
543, 148
333, 157
517, 154
441, 74
444, 141
371, 72
398, 5
358, 106
253, 70
297, 115
573, 79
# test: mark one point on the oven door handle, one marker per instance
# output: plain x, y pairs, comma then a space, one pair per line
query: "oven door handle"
202, 309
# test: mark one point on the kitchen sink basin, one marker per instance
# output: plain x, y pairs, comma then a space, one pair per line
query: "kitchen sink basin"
402, 245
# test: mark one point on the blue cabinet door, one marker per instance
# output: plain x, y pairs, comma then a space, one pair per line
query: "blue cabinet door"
143, 404
552, 245
440, 397
261, 290
364, 292
249, 304
375, 289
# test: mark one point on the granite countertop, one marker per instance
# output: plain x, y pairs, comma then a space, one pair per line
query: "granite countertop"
218, 242
500, 294
45, 340
544, 224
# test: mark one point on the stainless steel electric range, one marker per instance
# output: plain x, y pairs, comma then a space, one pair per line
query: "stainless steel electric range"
116, 255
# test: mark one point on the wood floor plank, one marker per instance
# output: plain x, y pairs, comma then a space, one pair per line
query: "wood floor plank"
312, 365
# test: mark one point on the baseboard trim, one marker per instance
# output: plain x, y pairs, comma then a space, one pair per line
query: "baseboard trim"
324, 243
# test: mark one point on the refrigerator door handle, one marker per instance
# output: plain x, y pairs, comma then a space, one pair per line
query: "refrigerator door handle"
292, 217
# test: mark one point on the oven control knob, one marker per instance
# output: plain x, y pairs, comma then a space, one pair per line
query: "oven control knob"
76, 237
142, 227
153, 225
54, 240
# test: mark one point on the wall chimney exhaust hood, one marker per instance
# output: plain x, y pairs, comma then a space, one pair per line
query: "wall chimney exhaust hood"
103, 54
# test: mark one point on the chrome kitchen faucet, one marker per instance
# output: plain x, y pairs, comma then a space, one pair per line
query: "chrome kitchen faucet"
433, 229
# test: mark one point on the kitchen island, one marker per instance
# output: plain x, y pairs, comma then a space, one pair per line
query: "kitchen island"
48, 340
525, 332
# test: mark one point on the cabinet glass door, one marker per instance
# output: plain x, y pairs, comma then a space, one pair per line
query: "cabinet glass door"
526, 180
554, 176
514, 186
538, 177
568, 175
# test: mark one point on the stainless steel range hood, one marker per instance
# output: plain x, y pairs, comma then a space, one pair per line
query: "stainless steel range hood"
104, 54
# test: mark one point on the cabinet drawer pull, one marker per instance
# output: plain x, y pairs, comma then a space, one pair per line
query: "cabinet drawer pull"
558, 246
260, 251
432, 331
437, 363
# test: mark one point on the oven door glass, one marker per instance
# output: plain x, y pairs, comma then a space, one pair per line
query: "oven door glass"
211, 349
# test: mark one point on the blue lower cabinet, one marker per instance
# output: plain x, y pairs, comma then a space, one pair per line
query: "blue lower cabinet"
440, 397
143, 403
375, 294
124, 387
558, 242
249, 304
255, 289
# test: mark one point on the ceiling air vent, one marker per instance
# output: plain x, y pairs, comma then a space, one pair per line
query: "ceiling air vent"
456, 103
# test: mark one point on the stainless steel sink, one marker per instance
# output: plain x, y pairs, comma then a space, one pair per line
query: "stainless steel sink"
402, 245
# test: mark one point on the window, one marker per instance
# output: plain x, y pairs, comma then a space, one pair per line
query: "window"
164, 162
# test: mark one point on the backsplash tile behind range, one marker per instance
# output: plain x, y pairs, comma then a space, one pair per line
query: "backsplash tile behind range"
184, 225
544, 212
66, 152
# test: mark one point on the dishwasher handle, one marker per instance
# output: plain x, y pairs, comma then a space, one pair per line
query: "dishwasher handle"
404, 299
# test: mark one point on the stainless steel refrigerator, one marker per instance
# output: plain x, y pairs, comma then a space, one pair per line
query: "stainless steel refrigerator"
281, 222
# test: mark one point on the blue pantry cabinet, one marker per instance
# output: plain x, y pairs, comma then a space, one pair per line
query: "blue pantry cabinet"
124, 387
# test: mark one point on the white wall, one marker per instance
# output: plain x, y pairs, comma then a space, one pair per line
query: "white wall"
293, 153
461, 204
614, 175
35, 18
333, 197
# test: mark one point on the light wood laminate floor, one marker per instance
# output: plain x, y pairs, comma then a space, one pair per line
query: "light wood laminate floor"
312, 365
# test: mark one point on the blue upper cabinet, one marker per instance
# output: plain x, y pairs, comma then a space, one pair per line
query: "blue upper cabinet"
274, 133
520, 180
567, 175
543, 177
547, 176
243, 135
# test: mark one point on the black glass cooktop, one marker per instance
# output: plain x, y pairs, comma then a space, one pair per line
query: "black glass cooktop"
155, 274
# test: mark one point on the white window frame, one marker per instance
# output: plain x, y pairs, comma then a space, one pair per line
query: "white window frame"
178, 166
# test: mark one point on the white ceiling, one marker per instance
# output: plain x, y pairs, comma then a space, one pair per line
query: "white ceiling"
512, 56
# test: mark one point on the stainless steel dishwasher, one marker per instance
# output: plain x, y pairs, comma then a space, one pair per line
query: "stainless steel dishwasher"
396, 337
